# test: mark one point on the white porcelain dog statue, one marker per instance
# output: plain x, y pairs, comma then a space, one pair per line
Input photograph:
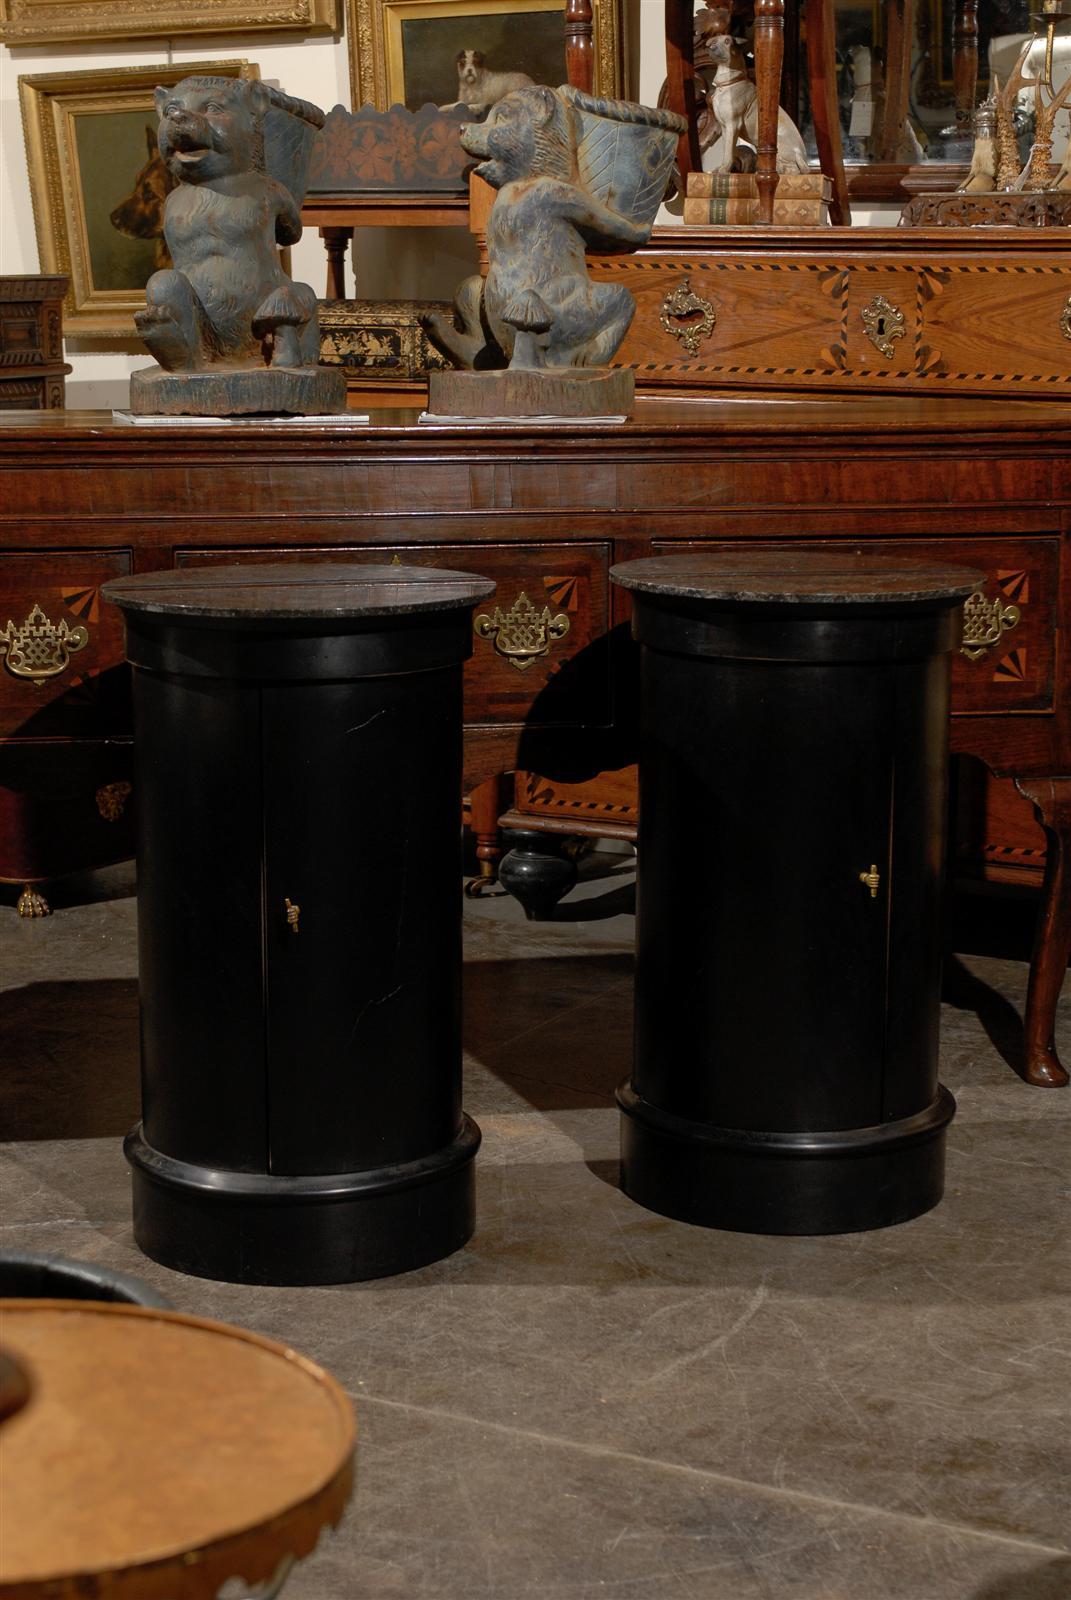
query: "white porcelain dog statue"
478, 87
734, 106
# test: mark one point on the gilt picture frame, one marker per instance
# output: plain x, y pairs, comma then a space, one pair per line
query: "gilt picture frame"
405, 50
33, 22
89, 140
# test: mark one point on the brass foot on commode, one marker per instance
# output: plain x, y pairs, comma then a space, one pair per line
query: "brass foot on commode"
32, 904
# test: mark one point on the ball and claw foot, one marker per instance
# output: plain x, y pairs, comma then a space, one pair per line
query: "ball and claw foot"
32, 904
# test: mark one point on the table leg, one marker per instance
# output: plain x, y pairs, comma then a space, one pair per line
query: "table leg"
899, 45
680, 83
822, 74
1051, 799
336, 243
769, 54
486, 804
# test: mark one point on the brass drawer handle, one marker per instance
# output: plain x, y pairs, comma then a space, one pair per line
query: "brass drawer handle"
985, 622
687, 316
872, 879
111, 800
293, 914
39, 649
522, 633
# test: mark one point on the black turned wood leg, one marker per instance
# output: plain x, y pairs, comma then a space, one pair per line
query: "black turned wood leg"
1051, 799
535, 871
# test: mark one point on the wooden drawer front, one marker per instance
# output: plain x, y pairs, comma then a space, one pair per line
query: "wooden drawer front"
606, 804
62, 672
815, 322
531, 661
1007, 660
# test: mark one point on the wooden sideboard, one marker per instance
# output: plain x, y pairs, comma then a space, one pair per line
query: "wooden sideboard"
545, 511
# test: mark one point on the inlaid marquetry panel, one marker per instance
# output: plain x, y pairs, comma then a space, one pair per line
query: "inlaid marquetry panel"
861, 313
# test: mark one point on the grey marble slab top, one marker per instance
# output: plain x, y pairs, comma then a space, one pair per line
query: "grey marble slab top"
795, 577
309, 589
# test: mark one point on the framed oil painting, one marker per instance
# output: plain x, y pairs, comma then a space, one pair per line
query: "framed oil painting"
404, 52
99, 186
25, 22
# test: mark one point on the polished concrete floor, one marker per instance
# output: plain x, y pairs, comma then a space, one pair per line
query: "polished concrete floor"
591, 1400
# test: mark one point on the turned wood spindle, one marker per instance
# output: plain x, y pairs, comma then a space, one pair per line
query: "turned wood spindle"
769, 48
965, 63
579, 47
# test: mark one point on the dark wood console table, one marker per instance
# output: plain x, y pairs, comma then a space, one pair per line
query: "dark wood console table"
545, 512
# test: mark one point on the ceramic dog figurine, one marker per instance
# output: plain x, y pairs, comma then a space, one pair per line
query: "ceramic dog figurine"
734, 106
558, 158
226, 324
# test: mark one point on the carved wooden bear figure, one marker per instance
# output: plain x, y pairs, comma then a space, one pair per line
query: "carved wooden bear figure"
538, 302
228, 302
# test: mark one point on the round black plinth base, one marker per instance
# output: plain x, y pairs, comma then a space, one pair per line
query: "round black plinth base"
240, 1227
802, 1183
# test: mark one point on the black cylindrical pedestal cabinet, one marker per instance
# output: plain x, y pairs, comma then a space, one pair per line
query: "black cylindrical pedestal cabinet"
794, 729
298, 777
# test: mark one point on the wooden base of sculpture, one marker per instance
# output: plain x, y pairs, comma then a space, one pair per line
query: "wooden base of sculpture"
1043, 208
243, 391
523, 392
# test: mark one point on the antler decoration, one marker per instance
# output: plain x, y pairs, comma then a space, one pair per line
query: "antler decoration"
1042, 171
1009, 167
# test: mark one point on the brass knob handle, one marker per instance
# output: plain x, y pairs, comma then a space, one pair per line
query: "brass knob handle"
293, 913
872, 879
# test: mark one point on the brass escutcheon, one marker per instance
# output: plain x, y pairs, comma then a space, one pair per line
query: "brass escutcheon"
293, 914
687, 316
884, 324
522, 633
39, 649
1065, 320
985, 622
872, 879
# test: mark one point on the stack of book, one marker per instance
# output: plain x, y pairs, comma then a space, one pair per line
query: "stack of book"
801, 198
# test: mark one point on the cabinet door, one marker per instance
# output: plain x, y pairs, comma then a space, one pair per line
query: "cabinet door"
362, 801
199, 920
787, 771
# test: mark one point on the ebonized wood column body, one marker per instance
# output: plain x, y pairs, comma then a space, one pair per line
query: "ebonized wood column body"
788, 957
297, 737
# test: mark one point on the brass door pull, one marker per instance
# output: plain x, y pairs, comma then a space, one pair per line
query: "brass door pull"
293, 912
872, 879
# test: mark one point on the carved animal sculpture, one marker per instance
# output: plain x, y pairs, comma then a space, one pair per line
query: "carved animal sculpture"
478, 87
537, 303
227, 302
734, 106
141, 214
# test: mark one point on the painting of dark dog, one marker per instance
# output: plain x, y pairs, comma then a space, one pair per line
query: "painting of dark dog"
124, 185
141, 214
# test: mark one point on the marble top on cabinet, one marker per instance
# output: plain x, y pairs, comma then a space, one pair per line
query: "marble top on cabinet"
300, 589
795, 577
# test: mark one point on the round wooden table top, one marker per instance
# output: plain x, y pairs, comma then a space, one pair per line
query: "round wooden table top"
161, 1455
